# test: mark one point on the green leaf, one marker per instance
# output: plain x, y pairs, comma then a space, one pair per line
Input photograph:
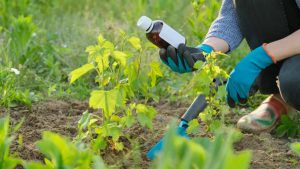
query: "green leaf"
180, 152
35, 165
101, 39
145, 115
193, 127
93, 121
115, 118
128, 120
77, 73
155, 72
121, 57
99, 143
54, 146
93, 51
287, 127
22, 29
135, 42
84, 120
4, 126
103, 61
61, 153
215, 125
286, 120
119, 146
239, 161
296, 148
292, 132
281, 130
150, 45
122, 33
107, 100
206, 153
114, 131
98, 163
131, 72
48, 163
108, 45
198, 65
6, 160
190, 153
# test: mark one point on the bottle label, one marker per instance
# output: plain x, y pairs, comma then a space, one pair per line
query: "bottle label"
171, 36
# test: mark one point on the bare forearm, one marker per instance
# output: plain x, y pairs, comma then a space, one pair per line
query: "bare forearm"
219, 45
286, 47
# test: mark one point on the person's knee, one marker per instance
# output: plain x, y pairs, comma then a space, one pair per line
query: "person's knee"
289, 84
290, 92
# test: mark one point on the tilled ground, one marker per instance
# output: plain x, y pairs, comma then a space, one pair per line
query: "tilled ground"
61, 117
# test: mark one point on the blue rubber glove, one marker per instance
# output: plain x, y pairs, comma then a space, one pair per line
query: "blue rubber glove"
183, 59
244, 74
181, 131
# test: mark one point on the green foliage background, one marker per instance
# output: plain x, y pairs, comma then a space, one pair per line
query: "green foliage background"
47, 39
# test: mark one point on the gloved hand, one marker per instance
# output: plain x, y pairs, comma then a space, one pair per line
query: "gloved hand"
245, 73
183, 59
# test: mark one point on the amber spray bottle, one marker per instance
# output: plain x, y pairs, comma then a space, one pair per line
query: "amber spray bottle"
159, 33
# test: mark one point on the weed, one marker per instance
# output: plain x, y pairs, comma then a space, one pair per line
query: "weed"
202, 152
288, 127
10, 92
61, 153
121, 77
202, 82
7, 161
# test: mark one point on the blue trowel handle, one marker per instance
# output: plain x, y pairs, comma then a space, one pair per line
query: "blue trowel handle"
199, 104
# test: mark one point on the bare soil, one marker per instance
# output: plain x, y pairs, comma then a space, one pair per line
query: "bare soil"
61, 117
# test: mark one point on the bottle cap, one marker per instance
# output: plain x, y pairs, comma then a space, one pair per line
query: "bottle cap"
144, 23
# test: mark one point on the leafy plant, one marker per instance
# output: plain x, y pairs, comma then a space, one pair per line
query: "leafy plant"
287, 127
203, 82
121, 78
61, 153
10, 9
202, 153
10, 91
296, 148
7, 161
204, 14
20, 36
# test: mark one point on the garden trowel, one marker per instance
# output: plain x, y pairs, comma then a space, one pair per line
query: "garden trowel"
198, 106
